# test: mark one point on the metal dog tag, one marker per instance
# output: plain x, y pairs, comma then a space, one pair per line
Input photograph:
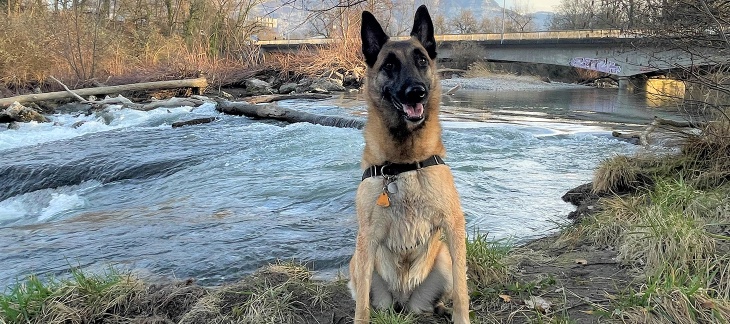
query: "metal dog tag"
392, 188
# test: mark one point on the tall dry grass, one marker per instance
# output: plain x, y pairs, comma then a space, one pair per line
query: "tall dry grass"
82, 48
342, 56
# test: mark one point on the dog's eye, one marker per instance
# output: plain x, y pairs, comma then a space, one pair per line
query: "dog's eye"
388, 66
422, 61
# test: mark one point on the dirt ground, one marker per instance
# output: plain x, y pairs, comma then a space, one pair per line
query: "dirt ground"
575, 282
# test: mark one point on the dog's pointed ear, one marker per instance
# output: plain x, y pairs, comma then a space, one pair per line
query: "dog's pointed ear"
423, 31
373, 38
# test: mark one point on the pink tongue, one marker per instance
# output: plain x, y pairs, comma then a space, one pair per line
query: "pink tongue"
413, 111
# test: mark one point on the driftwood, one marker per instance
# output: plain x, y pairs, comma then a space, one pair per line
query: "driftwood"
272, 98
457, 71
196, 121
453, 90
173, 102
272, 111
643, 136
186, 83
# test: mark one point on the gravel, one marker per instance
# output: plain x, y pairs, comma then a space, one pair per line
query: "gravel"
505, 83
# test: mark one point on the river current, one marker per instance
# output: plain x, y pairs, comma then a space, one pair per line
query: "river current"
216, 201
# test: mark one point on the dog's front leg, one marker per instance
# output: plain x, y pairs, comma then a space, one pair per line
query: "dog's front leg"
456, 239
364, 266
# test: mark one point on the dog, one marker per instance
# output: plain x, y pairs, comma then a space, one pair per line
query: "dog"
410, 250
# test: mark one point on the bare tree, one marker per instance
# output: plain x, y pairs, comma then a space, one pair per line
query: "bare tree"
574, 14
490, 25
464, 23
520, 17
440, 25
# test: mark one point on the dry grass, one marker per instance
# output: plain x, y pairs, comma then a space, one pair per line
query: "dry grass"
81, 50
342, 56
479, 70
615, 175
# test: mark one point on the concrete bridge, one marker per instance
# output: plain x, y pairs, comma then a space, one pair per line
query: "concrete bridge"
610, 51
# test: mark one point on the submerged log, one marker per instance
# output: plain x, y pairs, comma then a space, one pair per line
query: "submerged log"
272, 111
186, 83
196, 121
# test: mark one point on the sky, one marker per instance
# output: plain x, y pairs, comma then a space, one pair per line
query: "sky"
533, 5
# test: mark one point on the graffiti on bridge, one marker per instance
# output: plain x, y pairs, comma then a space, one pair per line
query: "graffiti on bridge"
601, 65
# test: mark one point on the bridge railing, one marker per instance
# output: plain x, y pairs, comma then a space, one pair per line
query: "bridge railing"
561, 34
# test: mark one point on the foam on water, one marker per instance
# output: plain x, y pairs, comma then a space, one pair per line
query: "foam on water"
66, 126
45, 205
60, 203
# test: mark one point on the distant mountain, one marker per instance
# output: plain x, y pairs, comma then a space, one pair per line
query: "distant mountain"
480, 8
295, 23
542, 20
452, 8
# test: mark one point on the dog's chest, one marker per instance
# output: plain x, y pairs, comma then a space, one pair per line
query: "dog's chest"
415, 211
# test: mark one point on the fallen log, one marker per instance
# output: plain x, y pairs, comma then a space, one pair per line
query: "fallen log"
272, 98
186, 83
658, 122
272, 111
173, 102
196, 121
457, 71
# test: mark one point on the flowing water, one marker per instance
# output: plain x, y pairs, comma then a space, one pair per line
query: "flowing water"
216, 201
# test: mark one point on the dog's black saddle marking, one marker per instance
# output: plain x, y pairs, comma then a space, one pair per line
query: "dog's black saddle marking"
393, 169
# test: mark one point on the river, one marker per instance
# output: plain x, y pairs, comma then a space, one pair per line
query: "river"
216, 201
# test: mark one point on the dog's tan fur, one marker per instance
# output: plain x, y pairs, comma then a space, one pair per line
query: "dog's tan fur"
400, 256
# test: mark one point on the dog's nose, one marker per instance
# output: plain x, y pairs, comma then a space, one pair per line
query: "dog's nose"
415, 93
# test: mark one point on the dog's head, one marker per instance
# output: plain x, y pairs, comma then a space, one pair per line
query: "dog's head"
401, 74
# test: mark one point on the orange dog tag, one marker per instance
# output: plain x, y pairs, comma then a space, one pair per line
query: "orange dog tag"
383, 200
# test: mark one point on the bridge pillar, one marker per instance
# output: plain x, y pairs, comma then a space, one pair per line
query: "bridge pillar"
636, 83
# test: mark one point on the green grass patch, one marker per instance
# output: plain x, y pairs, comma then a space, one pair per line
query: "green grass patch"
25, 300
389, 316
486, 260
83, 295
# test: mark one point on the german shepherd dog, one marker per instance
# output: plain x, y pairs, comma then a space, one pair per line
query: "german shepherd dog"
410, 250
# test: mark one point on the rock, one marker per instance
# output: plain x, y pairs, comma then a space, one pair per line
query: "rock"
13, 125
304, 85
327, 84
20, 113
287, 88
256, 87
73, 108
351, 80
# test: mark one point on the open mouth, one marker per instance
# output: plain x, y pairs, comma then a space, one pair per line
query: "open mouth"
413, 112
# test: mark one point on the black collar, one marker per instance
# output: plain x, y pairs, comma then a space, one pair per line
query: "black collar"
392, 169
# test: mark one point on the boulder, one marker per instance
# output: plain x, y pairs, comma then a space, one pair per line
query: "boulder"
256, 87
287, 88
304, 85
19, 113
327, 84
